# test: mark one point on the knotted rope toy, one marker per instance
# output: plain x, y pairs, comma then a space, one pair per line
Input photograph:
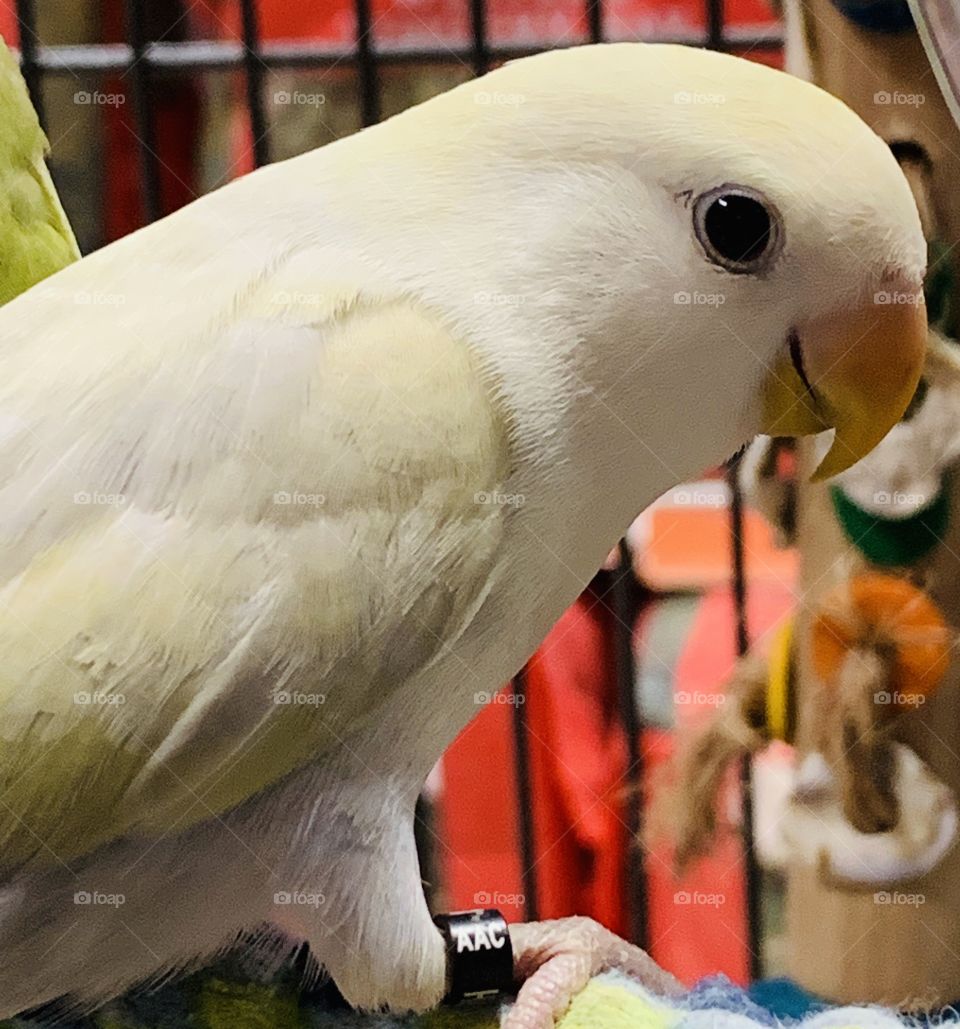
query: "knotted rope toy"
864, 808
892, 616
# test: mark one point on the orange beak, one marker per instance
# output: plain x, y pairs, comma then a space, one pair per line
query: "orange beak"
855, 372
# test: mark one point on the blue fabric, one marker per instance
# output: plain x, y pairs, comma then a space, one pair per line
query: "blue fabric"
787, 1001
784, 999
717, 993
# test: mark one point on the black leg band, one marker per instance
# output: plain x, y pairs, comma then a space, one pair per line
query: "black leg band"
479, 954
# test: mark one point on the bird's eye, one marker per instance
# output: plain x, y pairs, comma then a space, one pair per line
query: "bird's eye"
738, 228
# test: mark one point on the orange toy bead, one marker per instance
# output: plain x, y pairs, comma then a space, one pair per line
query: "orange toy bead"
876, 609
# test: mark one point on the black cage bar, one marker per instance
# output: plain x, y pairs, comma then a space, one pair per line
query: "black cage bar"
146, 62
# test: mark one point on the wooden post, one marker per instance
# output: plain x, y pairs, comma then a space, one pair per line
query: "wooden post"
846, 946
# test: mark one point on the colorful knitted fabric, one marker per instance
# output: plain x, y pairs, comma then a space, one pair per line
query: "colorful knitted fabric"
610, 1001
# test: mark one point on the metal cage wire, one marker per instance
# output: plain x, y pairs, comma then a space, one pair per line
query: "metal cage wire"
144, 58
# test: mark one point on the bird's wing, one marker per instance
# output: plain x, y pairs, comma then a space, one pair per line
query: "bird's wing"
35, 236
201, 595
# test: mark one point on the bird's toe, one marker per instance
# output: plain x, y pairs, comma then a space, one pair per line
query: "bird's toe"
556, 959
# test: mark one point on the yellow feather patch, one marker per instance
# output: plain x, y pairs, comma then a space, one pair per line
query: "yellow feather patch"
158, 667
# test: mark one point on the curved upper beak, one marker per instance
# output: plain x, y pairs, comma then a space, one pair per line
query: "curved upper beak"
854, 372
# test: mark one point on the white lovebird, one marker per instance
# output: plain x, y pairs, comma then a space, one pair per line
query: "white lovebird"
291, 476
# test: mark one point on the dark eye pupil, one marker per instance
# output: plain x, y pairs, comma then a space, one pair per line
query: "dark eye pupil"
738, 227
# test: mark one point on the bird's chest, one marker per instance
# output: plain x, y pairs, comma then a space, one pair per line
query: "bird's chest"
539, 572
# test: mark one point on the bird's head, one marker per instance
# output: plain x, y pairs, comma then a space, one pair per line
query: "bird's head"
761, 232
800, 224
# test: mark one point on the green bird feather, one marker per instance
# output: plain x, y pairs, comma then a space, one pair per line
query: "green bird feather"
35, 237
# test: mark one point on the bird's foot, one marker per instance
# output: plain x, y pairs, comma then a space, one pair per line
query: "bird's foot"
555, 960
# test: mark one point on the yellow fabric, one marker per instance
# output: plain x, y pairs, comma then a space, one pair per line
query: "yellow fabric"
604, 1005
778, 683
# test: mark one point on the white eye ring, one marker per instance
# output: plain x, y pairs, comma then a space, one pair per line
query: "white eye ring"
738, 228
